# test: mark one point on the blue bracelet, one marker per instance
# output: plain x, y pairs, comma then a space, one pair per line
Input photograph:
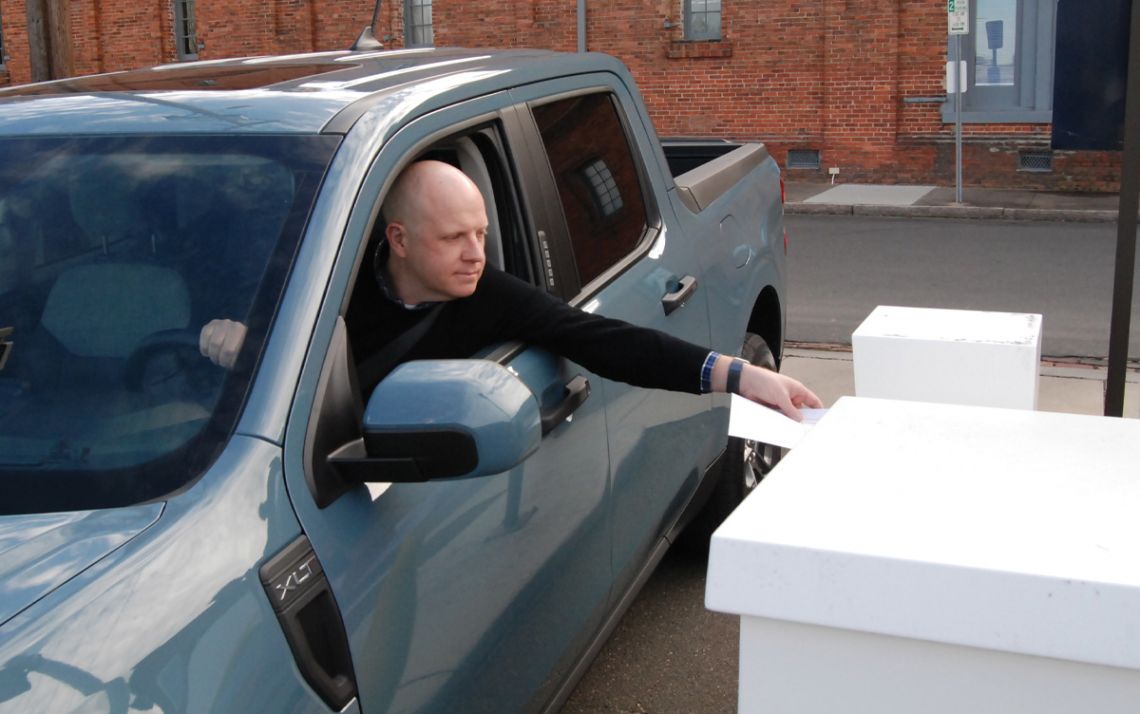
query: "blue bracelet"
732, 385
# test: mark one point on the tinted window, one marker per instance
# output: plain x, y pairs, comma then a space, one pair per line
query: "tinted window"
113, 254
596, 177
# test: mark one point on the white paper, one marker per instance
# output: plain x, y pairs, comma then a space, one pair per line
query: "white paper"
749, 420
812, 416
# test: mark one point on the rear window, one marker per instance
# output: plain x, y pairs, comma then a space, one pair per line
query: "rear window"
114, 253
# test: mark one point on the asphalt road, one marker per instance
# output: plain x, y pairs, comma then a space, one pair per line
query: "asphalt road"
842, 267
669, 655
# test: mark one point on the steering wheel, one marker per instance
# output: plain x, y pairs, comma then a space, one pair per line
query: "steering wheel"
164, 355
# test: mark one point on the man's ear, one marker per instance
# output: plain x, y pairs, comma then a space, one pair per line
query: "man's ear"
397, 237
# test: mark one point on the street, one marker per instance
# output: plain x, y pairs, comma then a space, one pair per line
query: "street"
668, 655
841, 267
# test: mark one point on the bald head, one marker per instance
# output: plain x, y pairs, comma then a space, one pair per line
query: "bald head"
437, 224
420, 189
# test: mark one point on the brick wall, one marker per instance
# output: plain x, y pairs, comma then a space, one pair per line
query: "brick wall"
827, 75
110, 35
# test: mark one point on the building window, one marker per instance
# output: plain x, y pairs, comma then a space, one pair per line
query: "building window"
3, 58
1009, 62
417, 23
185, 30
702, 19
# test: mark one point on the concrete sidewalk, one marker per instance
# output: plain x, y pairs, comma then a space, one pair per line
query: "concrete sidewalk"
1071, 388
938, 202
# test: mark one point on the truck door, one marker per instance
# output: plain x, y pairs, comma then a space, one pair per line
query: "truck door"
625, 264
459, 595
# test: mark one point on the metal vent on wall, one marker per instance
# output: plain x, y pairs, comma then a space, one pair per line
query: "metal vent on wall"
803, 158
1040, 161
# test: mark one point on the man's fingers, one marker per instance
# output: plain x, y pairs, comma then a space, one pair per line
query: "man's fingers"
221, 341
806, 398
205, 336
232, 339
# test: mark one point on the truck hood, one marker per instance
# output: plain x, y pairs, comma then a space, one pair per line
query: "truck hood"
41, 552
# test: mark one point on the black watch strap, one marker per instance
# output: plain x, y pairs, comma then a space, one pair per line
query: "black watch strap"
732, 385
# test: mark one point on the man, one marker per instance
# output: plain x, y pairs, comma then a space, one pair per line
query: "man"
432, 266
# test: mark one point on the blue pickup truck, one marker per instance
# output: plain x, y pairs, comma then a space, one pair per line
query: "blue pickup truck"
179, 537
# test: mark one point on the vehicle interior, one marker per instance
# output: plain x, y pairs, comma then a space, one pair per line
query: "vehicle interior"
109, 265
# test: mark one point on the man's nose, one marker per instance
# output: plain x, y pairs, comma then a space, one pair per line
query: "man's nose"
473, 248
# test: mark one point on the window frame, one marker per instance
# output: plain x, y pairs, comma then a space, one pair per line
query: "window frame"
412, 8
186, 30
1030, 100
688, 13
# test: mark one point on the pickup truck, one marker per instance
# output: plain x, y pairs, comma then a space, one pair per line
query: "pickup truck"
179, 537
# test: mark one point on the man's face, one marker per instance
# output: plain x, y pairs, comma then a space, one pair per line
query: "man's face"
443, 245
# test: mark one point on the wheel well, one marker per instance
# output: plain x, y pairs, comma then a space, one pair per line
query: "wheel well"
766, 321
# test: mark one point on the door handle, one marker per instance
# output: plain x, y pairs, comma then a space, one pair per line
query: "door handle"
577, 392
686, 286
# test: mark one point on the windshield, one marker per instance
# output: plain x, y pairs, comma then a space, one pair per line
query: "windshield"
114, 253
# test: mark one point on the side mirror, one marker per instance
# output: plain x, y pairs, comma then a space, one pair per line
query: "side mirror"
442, 419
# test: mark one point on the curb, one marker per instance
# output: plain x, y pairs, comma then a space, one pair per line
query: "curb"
973, 212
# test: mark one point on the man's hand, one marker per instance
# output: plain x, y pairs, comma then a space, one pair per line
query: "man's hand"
766, 387
776, 390
221, 340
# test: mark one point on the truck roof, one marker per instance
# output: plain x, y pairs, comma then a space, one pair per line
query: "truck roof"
304, 93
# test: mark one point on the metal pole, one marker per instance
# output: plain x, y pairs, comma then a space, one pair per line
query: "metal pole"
1125, 230
581, 25
375, 16
958, 118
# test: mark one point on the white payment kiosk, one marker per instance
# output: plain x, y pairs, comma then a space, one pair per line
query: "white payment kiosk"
915, 557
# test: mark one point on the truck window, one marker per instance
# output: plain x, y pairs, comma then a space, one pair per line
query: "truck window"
597, 179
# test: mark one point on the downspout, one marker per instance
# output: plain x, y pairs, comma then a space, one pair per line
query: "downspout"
314, 34
581, 25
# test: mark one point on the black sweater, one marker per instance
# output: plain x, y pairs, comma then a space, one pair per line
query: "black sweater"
505, 308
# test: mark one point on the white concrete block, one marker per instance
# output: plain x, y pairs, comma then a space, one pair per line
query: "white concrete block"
948, 356
911, 557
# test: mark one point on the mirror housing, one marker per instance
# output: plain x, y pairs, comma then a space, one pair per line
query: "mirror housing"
436, 419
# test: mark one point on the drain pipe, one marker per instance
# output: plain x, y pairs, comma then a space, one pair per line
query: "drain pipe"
581, 25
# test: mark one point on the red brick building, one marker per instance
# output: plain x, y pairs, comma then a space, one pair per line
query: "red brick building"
827, 84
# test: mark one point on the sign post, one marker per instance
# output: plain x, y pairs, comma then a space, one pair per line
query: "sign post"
1125, 231
958, 16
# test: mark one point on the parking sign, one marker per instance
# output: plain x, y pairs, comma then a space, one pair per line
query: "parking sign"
958, 12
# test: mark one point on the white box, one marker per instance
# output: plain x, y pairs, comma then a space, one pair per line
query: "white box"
914, 557
949, 356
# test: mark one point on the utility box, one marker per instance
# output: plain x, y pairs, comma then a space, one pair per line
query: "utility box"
914, 557
949, 356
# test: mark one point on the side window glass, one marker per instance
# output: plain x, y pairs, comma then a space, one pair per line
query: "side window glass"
596, 177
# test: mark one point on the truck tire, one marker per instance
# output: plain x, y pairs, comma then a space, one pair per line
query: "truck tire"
744, 466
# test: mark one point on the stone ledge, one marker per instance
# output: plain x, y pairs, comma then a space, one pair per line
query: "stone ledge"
698, 49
